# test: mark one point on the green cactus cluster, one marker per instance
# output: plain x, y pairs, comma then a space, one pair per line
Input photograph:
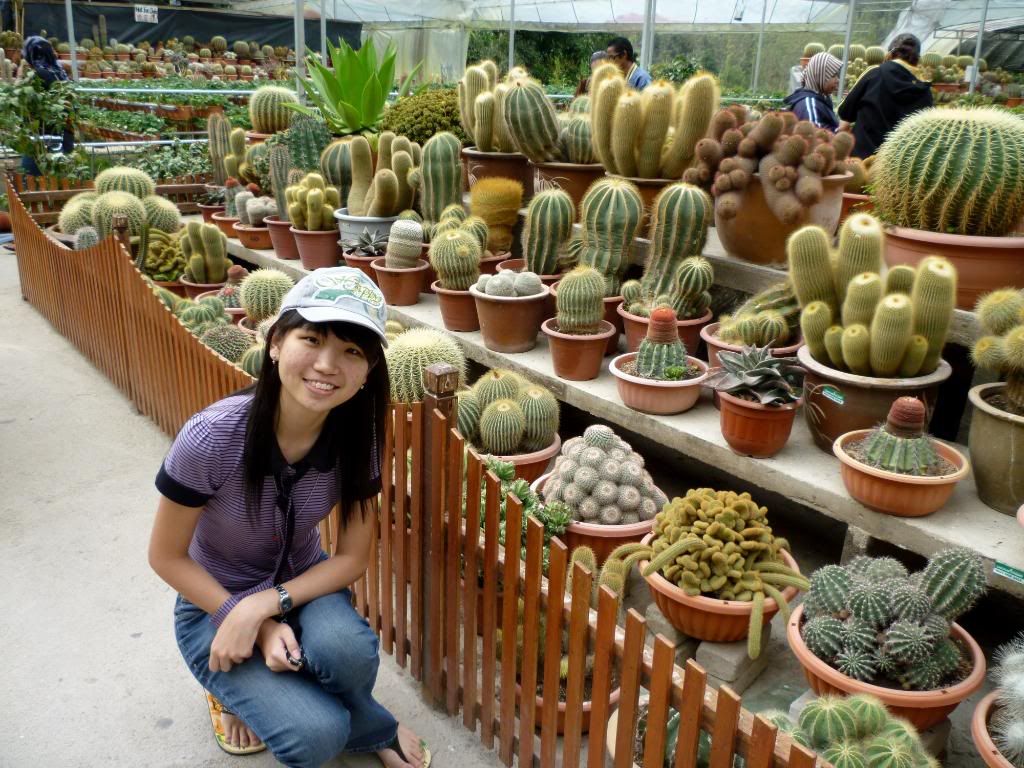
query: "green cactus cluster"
411, 352
902, 444
455, 256
262, 292
405, 244
873, 621
311, 204
113, 204
504, 414
77, 213
610, 215
227, 340
306, 138
497, 201
268, 108
162, 258
662, 354
255, 210
509, 284
768, 318
124, 179
482, 108
204, 248
852, 321
231, 292
161, 213
422, 115
1001, 349
387, 191
546, 230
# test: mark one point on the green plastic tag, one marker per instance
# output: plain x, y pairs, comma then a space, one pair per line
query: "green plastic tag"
833, 394
1008, 572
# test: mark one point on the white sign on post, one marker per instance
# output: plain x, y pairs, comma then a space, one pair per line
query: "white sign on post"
145, 14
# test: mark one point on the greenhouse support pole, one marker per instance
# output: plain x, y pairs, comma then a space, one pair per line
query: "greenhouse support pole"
647, 36
300, 47
977, 47
846, 51
323, 31
760, 45
512, 34
74, 45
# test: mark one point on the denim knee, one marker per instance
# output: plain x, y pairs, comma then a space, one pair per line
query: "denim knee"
308, 742
344, 661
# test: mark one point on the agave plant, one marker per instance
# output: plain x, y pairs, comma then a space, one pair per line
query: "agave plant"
754, 373
351, 97
368, 244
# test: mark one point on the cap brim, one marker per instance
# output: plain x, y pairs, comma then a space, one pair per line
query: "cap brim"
338, 315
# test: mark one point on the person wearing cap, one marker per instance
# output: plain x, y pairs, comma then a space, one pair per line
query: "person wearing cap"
620, 52
885, 95
813, 100
597, 58
263, 617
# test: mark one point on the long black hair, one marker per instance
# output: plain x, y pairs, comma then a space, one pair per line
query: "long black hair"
39, 54
359, 455
906, 47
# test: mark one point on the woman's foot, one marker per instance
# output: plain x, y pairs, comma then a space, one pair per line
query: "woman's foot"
410, 746
237, 733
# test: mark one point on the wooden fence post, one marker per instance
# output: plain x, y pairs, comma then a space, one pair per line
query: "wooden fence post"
440, 380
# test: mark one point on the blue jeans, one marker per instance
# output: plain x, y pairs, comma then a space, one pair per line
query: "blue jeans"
305, 718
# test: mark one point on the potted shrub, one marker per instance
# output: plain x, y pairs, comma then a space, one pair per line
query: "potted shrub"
869, 627
867, 340
997, 423
770, 319
497, 202
577, 334
375, 199
510, 306
204, 248
758, 397
455, 256
401, 272
511, 418
251, 229
659, 378
897, 468
613, 499
933, 201
311, 207
997, 726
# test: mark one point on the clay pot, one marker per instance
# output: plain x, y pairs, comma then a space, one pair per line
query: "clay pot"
946, 87
195, 290
458, 309
611, 315
577, 358
573, 178
757, 236
246, 325
995, 442
351, 227
510, 324
401, 287
281, 238
752, 429
530, 466
982, 264
174, 286
603, 539
854, 203
237, 314
518, 265
987, 748
922, 709
209, 210
893, 493
836, 402
509, 165
635, 327
489, 264
252, 137
708, 618
316, 249
662, 398
538, 709
256, 238
363, 263
225, 223
715, 345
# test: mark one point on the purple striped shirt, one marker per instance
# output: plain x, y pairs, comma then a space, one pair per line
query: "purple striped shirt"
204, 468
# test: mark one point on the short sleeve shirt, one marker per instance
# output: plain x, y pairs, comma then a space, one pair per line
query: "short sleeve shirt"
204, 467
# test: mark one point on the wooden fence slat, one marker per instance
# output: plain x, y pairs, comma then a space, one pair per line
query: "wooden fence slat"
401, 538
657, 707
456, 451
436, 512
488, 652
723, 736
388, 526
632, 669
762, 743
416, 543
801, 757
509, 626
531, 639
558, 558
604, 656
582, 589
470, 583
691, 712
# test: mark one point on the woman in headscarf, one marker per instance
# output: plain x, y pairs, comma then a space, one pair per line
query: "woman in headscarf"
38, 56
813, 100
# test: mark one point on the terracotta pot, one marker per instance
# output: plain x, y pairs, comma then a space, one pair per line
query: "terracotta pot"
458, 310
577, 358
252, 137
757, 236
996, 445
987, 748
317, 249
636, 329
708, 618
351, 227
246, 325
946, 87
512, 265
225, 223
209, 210
518, 265
538, 708
510, 324
662, 398
573, 178
893, 493
922, 709
489, 264
611, 315
530, 466
363, 263
401, 287
256, 238
836, 402
237, 314
174, 286
752, 429
281, 238
509, 165
982, 264
854, 203
195, 290
715, 345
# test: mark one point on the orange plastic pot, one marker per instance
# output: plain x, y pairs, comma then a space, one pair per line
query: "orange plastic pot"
661, 398
195, 290
538, 709
510, 324
983, 742
577, 358
922, 709
281, 238
458, 310
635, 327
854, 203
707, 618
226, 223
256, 238
363, 263
317, 249
893, 493
573, 178
715, 345
401, 287
484, 165
755, 430
209, 210
530, 466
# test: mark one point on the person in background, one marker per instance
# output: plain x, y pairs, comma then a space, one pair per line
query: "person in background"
620, 52
885, 95
597, 58
813, 100
38, 56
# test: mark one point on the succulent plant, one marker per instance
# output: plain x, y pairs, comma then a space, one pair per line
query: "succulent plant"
756, 322
547, 229
411, 352
755, 374
1001, 314
610, 215
497, 201
229, 341
662, 355
438, 177
455, 255
311, 204
262, 292
113, 204
902, 445
161, 213
387, 191
121, 178
77, 213
419, 116
1007, 723
505, 414
404, 245
579, 302
481, 108
510, 284
267, 108
204, 248
86, 237
370, 243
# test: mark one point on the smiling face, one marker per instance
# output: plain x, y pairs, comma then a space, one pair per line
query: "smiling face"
318, 370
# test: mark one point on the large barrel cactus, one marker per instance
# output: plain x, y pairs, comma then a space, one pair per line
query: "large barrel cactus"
267, 108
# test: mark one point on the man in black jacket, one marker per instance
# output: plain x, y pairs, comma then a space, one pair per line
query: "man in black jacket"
885, 95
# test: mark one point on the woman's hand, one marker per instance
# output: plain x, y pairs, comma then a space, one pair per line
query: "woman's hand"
237, 634
275, 639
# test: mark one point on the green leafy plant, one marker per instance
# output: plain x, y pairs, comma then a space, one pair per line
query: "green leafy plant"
754, 374
352, 96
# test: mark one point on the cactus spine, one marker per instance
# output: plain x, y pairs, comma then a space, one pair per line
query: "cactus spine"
580, 308
532, 121
547, 228
610, 215
439, 176
218, 129
268, 110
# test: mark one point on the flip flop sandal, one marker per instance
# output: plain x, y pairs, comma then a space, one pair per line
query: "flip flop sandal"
216, 709
396, 745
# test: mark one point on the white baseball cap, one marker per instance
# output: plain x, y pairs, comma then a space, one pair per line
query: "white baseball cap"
339, 294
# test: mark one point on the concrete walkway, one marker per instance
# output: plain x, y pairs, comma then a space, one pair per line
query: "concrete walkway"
92, 675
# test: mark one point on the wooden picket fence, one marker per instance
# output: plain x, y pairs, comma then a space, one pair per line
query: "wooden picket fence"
433, 527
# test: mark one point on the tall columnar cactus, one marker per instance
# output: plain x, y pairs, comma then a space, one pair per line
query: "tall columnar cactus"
218, 129
112, 204
280, 165
934, 298
860, 248
579, 302
411, 352
311, 204
810, 267
455, 255
405, 243
336, 166
235, 158
482, 108
439, 176
921, 185
532, 121
205, 249
610, 215
497, 200
268, 110
262, 293
123, 179
307, 137
1001, 350
679, 227
547, 228
661, 350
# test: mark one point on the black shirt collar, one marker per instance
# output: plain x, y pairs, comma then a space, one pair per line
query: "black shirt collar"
321, 456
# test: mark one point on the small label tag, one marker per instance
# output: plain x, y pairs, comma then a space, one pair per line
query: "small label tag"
1008, 572
833, 394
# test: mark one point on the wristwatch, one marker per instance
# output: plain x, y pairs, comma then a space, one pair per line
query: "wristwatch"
284, 600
